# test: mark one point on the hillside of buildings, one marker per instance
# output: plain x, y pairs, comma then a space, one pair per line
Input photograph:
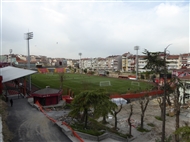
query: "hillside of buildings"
123, 63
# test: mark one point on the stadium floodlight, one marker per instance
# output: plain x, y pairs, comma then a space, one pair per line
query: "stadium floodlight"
80, 54
29, 36
10, 51
136, 48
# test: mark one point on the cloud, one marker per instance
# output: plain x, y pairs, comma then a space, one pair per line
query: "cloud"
96, 29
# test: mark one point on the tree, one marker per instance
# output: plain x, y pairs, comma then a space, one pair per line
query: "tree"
129, 119
61, 76
154, 62
183, 87
81, 105
85, 70
142, 76
177, 102
97, 100
158, 65
104, 106
153, 77
160, 102
115, 112
143, 104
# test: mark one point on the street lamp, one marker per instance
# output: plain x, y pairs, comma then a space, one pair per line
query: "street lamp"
10, 51
80, 54
136, 48
29, 36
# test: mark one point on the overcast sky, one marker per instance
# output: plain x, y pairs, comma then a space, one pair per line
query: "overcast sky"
94, 28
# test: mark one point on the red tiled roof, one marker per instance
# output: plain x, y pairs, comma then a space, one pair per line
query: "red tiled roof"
186, 54
141, 56
173, 57
185, 77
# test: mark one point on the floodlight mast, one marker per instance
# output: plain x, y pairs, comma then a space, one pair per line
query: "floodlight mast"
10, 51
29, 36
136, 48
80, 54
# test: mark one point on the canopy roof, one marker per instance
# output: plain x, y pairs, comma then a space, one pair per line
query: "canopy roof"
10, 73
47, 92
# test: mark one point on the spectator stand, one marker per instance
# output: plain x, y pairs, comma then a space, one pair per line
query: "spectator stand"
11, 79
43, 70
59, 70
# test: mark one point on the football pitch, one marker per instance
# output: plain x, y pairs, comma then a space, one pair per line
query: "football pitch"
81, 82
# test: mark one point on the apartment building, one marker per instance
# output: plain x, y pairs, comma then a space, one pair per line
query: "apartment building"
188, 61
125, 62
87, 63
141, 63
114, 62
70, 62
173, 62
183, 58
184, 75
131, 63
97, 63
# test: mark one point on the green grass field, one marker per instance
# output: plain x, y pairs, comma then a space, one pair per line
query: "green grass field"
80, 82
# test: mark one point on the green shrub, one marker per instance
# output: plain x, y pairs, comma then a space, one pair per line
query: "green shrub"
2, 97
158, 118
151, 124
167, 139
142, 129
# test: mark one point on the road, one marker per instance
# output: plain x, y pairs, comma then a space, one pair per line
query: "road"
30, 125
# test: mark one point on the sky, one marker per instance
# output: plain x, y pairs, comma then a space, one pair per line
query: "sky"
63, 29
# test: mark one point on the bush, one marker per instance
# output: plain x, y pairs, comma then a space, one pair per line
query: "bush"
107, 72
151, 124
142, 129
167, 139
91, 72
142, 76
158, 118
85, 70
2, 97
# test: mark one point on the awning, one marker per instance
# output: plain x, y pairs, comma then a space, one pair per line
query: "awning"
10, 73
119, 101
